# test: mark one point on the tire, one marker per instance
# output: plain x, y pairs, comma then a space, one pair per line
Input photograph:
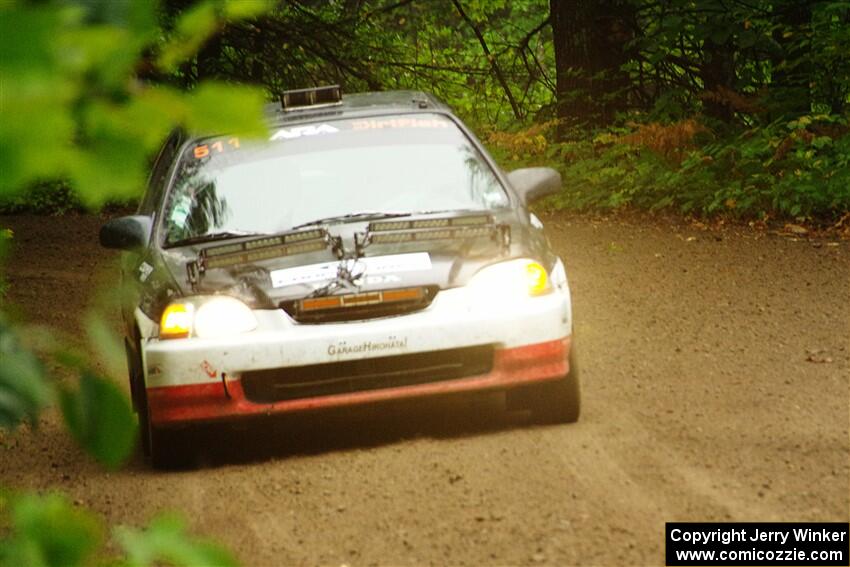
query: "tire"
169, 448
144, 429
164, 448
137, 394
134, 373
557, 401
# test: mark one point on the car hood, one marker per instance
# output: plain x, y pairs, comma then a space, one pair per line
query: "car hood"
439, 263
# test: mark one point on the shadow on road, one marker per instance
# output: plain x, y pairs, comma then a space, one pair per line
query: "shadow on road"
316, 432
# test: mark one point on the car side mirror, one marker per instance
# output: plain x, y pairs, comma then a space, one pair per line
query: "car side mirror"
126, 233
534, 183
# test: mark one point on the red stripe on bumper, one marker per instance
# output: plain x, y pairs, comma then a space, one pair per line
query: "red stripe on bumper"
170, 405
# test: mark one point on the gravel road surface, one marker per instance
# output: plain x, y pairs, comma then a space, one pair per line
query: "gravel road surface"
715, 367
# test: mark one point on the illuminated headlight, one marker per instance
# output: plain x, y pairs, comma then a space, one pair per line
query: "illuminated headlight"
223, 316
176, 321
206, 317
510, 280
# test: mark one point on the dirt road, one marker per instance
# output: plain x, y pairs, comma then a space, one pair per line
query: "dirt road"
715, 368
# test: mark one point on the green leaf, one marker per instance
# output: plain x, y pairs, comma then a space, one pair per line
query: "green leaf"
106, 54
193, 29
217, 108
200, 22
25, 38
142, 17
47, 531
112, 168
99, 416
35, 130
106, 344
165, 540
24, 389
673, 23
243, 9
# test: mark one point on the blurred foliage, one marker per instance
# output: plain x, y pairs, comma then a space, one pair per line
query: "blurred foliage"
23, 389
47, 531
100, 418
198, 23
165, 540
78, 126
73, 108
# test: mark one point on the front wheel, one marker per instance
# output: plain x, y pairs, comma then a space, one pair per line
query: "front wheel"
169, 448
138, 395
165, 448
557, 401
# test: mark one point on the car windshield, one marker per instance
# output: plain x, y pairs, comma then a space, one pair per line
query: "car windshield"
386, 164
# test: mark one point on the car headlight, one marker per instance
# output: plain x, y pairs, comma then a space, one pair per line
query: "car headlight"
206, 317
176, 321
511, 279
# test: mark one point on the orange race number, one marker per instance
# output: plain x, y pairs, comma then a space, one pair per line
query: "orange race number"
203, 150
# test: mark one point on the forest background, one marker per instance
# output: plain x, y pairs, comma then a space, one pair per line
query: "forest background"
708, 107
732, 109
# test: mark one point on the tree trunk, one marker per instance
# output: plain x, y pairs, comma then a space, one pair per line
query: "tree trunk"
590, 39
791, 73
571, 22
718, 78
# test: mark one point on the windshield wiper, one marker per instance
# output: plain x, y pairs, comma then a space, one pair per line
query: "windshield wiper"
351, 217
223, 235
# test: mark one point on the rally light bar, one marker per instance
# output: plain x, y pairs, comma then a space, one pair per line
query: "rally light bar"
464, 221
305, 98
419, 235
447, 228
258, 249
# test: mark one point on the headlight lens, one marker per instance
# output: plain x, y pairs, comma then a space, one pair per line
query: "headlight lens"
511, 279
206, 317
223, 316
536, 279
176, 322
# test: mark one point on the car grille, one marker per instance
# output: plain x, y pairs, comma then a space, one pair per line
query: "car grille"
360, 306
297, 382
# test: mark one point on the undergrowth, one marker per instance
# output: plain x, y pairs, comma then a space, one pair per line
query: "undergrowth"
56, 198
45, 198
796, 169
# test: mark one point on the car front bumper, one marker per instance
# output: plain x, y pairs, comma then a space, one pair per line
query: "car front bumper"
191, 380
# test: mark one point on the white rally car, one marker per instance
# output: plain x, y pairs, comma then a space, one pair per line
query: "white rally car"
369, 250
